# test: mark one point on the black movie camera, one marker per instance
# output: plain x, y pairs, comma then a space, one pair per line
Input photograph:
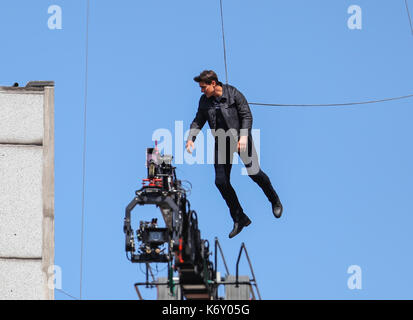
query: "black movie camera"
179, 243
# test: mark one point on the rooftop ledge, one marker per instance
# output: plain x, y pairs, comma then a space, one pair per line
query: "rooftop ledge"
30, 86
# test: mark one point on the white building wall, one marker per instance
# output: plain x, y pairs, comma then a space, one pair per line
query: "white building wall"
26, 191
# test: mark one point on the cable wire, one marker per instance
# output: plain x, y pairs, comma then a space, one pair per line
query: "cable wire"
223, 42
408, 13
330, 105
310, 105
84, 149
69, 295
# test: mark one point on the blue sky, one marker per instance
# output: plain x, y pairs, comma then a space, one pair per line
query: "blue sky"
344, 174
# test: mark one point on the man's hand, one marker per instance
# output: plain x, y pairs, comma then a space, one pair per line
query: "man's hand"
242, 143
188, 146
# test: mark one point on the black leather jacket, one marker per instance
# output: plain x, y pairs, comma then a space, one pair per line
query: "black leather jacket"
234, 108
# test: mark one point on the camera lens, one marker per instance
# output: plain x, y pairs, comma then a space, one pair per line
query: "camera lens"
156, 236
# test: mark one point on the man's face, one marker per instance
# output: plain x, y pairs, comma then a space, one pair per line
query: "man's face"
208, 89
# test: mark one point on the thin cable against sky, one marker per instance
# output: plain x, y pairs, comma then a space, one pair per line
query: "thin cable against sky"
408, 14
69, 295
84, 149
330, 105
310, 105
223, 42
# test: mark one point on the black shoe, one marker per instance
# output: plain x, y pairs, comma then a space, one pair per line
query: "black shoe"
277, 209
239, 225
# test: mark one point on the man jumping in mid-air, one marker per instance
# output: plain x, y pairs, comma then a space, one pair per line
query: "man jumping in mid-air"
230, 119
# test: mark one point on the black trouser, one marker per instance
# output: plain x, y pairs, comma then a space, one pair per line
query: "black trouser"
223, 170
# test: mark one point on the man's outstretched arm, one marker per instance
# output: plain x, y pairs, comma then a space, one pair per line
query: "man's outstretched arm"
244, 113
195, 127
245, 117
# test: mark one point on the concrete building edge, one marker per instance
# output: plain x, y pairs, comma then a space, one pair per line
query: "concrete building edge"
48, 193
5, 90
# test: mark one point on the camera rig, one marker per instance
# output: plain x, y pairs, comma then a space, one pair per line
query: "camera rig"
179, 244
